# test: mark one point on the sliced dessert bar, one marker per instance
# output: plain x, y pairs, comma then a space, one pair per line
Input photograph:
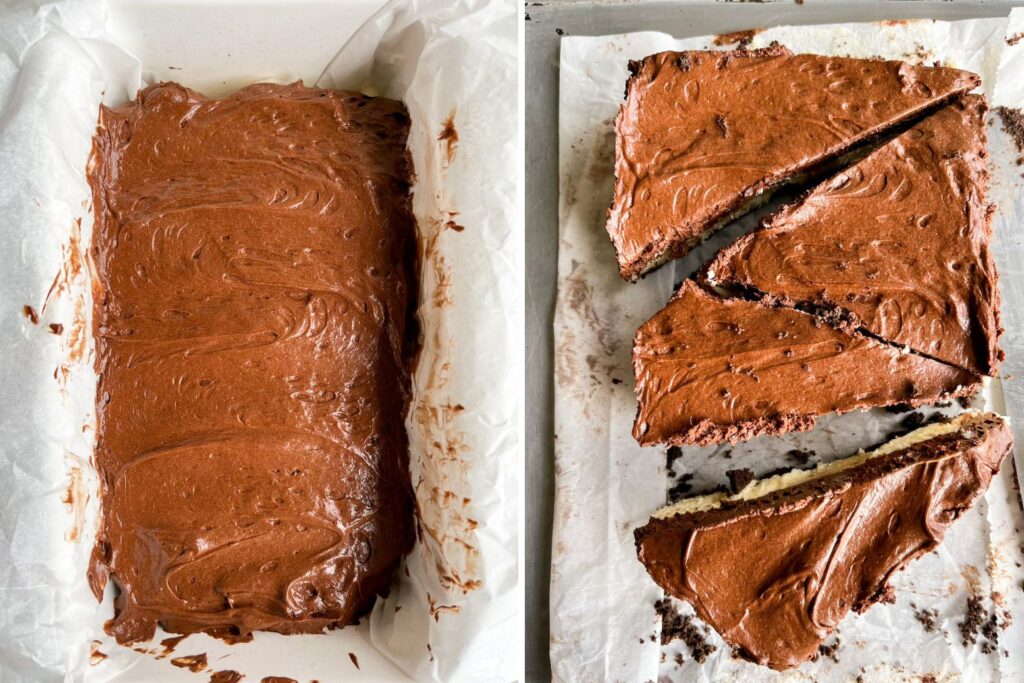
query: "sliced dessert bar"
711, 369
704, 137
897, 244
776, 566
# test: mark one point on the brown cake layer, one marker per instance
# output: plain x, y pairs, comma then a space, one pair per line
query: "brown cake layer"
254, 259
777, 566
704, 136
897, 244
710, 369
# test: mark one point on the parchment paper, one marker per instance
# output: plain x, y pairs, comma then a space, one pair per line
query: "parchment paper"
603, 625
453, 612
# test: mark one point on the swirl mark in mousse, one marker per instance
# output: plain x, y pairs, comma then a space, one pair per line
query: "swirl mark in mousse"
254, 286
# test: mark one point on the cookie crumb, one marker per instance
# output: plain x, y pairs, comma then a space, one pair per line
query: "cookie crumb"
973, 619
675, 626
739, 479
1013, 124
800, 457
681, 488
830, 651
928, 618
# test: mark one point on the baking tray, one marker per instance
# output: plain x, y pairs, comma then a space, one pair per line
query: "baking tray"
547, 22
241, 44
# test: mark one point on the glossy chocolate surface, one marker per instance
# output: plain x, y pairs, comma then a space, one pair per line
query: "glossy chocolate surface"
254, 258
774, 575
703, 135
712, 369
897, 243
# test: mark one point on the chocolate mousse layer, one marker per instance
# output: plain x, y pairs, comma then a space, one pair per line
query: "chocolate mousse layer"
897, 244
254, 263
703, 137
710, 369
775, 567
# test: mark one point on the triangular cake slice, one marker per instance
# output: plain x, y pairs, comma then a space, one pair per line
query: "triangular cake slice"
775, 567
703, 137
710, 369
897, 244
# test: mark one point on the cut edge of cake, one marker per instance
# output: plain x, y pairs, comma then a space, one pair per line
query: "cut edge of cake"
761, 488
980, 441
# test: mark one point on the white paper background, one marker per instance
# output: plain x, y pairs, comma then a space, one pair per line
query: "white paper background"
603, 625
57, 63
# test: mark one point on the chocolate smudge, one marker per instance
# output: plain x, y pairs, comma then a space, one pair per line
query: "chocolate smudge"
194, 663
450, 136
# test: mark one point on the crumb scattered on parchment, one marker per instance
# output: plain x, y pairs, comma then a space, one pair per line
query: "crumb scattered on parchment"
990, 632
675, 626
1014, 39
1013, 125
928, 618
30, 313
982, 624
921, 54
830, 650
972, 621
355, 660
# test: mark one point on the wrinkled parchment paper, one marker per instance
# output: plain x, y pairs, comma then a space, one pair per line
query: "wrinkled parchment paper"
454, 614
603, 625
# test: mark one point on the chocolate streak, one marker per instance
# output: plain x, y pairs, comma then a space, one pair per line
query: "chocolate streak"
897, 243
775, 575
703, 134
254, 257
710, 369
